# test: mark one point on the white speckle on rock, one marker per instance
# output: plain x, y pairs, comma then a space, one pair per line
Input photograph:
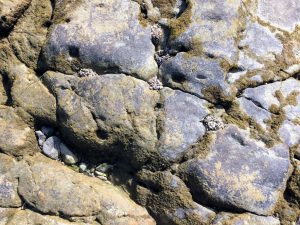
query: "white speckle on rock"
67, 155
82, 167
213, 123
156, 34
51, 147
155, 84
87, 73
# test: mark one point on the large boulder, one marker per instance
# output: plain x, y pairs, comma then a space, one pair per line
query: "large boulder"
113, 40
52, 188
239, 172
16, 137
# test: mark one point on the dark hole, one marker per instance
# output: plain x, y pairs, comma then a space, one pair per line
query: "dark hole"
235, 69
178, 77
68, 20
102, 134
73, 51
48, 23
3, 18
209, 55
101, 5
201, 77
159, 105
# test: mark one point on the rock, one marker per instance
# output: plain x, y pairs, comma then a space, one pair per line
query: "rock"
104, 168
16, 137
67, 155
3, 97
41, 137
8, 183
176, 135
82, 167
213, 123
199, 76
29, 34
244, 219
51, 147
208, 27
28, 217
65, 192
110, 34
10, 13
169, 200
261, 42
284, 15
250, 177
29, 93
6, 214
102, 113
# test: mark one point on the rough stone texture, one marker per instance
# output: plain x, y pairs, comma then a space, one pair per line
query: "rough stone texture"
29, 34
113, 40
176, 134
10, 11
51, 147
244, 219
29, 93
8, 183
250, 177
110, 110
211, 26
282, 14
65, 192
3, 97
261, 41
167, 197
16, 138
199, 76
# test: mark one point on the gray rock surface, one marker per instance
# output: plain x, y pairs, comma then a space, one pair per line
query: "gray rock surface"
51, 147
250, 177
244, 219
67, 155
113, 40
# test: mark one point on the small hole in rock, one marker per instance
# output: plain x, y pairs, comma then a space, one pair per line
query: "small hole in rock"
178, 77
159, 105
68, 20
3, 18
235, 70
48, 23
74, 51
201, 77
102, 134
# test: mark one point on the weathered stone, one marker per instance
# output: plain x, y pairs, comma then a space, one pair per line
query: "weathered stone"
261, 41
176, 134
169, 200
3, 97
105, 112
10, 11
250, 177
29, 93
244, 219
51, 147
8, 183
6, 214
210, 27
16, 138
41, 137
113, 40
54, 189
67, 155
281, 14
29, 34
196, 75
28, 217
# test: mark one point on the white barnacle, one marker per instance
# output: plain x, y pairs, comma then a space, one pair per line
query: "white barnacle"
213, 123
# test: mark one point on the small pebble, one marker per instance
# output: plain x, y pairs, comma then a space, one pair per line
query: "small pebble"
99, 173
155, 84
51, 147
104, 168
67, 155
82, 167
41, 137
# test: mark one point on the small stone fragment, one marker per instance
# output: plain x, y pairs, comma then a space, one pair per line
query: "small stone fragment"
41, 137
213, 123
87, 73
51, 147
67, 155
156, 34
82, 167
155, 84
